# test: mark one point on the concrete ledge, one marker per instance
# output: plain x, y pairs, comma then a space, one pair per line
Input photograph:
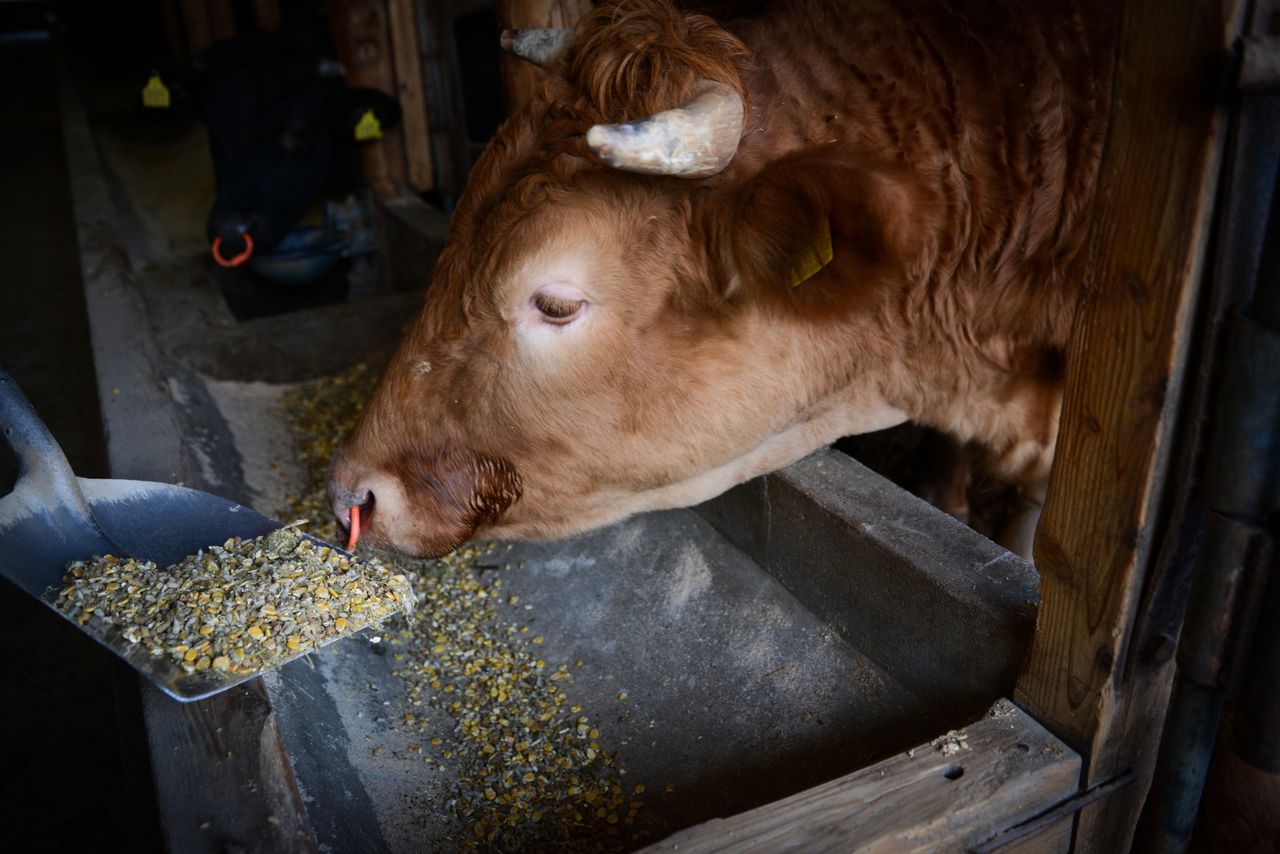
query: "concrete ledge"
301, 345
413, 233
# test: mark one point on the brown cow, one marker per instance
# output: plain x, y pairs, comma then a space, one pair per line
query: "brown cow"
639, 305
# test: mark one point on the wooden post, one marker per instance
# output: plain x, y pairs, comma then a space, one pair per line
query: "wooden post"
413, 105
363, 42
1099, 535
520, 78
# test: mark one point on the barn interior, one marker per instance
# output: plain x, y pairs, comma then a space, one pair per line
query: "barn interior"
807, 635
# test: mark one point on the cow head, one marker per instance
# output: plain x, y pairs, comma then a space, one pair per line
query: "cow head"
612, 325
282, 131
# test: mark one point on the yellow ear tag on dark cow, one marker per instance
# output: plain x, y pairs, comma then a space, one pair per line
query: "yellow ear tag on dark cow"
155, 95
368, 127
817, 256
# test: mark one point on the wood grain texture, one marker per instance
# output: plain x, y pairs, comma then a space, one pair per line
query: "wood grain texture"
363, 41
224, 780
409, 89
1002, 769
520, 78
1101, 527
1054, 839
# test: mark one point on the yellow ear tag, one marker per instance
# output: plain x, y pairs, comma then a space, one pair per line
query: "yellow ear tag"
815, 257
368, 127
155, 95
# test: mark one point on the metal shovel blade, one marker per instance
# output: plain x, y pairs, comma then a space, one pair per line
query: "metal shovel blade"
53, 517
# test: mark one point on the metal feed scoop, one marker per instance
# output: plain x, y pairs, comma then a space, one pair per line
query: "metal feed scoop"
53, 517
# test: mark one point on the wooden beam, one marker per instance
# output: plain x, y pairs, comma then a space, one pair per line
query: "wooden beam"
363, 43
951, 794
413, 105
520, 78
1102, 523
229, 744
446, 117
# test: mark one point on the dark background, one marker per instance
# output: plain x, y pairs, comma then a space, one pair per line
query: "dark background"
68, 782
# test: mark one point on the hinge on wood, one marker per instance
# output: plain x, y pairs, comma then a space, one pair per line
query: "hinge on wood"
1037, 823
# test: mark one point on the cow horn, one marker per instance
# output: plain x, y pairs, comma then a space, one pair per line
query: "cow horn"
538, 46
695, 140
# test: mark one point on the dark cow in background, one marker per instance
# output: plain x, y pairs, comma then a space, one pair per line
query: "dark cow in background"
705, 250
282, 129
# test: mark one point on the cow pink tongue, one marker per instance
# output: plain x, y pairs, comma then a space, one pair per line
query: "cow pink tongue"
354, 536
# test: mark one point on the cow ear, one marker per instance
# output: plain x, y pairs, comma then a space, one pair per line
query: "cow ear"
364, 109
814, 223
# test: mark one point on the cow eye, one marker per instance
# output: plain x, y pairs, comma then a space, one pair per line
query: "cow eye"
557, 310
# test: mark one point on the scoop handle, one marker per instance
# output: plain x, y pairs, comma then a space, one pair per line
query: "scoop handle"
43, 470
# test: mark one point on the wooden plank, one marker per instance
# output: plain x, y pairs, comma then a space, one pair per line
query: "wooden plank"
363, 43
520, 78
447, 119
949, 794
222, 774
413, 105
1100, 532
1054, 839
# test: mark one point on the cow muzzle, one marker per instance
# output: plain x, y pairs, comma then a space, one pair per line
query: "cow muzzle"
235, 237
435, 504
352, 502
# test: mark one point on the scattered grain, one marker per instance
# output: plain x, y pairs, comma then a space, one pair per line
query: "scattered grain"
529, 766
